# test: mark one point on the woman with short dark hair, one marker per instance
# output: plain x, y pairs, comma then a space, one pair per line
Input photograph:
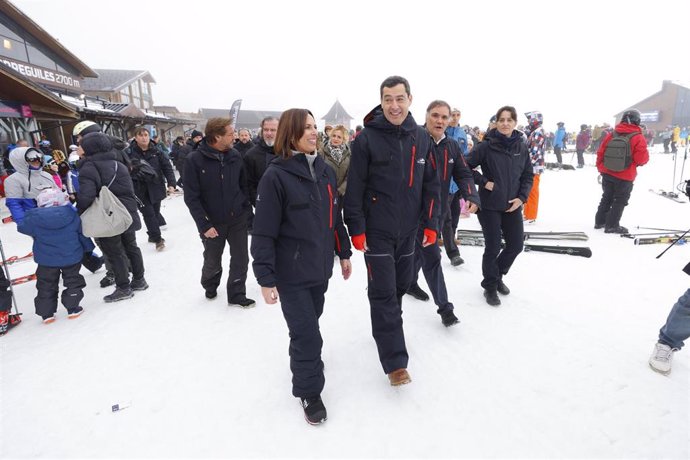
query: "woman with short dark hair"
296, 229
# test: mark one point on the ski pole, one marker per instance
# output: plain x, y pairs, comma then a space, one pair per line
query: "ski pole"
660, 229
9, 278
674, 242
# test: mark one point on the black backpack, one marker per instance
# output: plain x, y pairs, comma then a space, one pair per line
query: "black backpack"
618, 155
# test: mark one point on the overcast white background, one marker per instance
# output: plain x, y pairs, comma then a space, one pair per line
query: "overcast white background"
576, 61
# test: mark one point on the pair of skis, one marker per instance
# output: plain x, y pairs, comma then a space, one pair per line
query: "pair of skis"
15, 259
476, 238
23, 279
670, 195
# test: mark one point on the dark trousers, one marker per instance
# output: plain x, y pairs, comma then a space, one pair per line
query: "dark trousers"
390, 266
496, 261
5, 292
48, 285
666, 144
150, 211
122, 251
580, 157
450, 220
615, 196
236, 236
559, 157
429, 260
302, 309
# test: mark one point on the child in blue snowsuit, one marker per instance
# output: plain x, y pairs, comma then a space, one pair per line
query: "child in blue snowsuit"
59, 247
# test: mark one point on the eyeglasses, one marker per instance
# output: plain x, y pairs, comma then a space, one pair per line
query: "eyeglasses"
31, 158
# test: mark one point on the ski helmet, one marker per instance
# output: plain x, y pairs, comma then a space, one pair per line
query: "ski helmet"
85, 127
534, 118
583, 127
632, 117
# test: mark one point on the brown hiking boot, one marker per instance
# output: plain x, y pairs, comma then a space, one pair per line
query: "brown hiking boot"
399, 377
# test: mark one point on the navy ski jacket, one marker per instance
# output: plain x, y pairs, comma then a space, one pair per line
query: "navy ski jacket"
451, 164
392, 183
506, 162
297, 225
215, 186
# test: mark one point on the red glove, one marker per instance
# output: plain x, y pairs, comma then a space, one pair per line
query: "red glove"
430, 236
358, 241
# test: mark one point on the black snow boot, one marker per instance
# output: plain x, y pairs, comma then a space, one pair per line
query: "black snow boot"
119, 294
491, 297
417, 292
314, 410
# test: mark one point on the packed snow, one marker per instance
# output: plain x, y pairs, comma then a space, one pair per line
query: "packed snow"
559, 370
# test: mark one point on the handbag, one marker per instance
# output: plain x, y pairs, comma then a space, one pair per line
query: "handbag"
106, 216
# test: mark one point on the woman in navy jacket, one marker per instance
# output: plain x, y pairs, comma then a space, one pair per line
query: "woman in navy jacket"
296, 229
504, 186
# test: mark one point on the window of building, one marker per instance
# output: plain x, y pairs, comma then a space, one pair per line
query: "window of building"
124, 97
135, 89
6, 31
37, 57
13, 49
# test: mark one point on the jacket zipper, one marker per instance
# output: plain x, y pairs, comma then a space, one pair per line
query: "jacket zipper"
445, 164
414, 152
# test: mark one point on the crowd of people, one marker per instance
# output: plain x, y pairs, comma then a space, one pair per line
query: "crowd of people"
394, 190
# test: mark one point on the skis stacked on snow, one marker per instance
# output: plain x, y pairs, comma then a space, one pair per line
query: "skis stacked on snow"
582, 251
23, 279
670, 195
661, 239
530, 235
15, 259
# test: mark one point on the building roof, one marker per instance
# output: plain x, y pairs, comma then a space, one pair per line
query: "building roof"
337, 112
45, 38
112, 80
663, 87
245, 119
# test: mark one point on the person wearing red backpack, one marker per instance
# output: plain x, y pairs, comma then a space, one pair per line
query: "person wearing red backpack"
618, 184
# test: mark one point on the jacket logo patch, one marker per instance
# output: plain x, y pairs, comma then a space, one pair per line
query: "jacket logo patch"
258, 197
451, 161
421, 161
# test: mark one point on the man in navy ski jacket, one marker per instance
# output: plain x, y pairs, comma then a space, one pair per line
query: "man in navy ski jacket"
392, 186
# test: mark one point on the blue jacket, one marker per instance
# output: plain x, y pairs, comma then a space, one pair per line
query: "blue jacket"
451, 166
559, 137
459, 135
58, 241
215, 186
297, 225
391, 184
505, 162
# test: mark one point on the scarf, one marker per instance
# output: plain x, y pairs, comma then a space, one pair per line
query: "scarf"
337, 152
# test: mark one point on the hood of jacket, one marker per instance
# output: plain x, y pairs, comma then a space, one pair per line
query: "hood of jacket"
627, 128
55, 218
18, 161
377, 120
298, 165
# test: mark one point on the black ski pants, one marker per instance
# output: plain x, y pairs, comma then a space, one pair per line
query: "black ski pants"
429, 260
580, 157
151, 212
496, 261
559, 157
450, 220
235, 234
48, 286
390, 266
615, 196
302, 308
122, 250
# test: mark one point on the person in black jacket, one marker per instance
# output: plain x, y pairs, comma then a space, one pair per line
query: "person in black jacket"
97, 168
296, 229
504, 185
150, 190
391, 187
260, 155
216, 195
184, 152
244, 142
450, 163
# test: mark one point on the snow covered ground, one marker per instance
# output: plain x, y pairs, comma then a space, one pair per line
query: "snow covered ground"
558, 371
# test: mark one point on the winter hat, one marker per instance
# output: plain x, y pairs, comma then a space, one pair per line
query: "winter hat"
95, 143
44, 142
73, 147
51, 197
196, 133
73, 158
